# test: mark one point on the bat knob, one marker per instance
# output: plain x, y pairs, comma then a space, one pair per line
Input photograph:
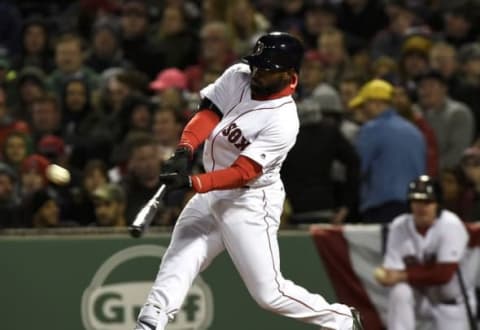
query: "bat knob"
135, 231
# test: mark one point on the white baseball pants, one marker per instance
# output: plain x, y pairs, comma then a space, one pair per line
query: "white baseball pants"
405, 304
245, 222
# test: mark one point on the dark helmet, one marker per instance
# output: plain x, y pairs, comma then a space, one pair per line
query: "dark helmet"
276, 51
425, 188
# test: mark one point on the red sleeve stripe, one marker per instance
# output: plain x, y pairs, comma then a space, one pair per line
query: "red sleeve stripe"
242, 170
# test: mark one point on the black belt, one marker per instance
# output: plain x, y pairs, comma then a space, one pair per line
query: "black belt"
449, 302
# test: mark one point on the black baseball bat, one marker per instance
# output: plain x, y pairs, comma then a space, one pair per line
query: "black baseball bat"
147, 213
471, 318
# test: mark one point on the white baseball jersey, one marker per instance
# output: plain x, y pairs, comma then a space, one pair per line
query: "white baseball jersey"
263, 131
445, 242
242, 221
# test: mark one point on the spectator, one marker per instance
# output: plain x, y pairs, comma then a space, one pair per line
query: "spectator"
348, 87
69, 61
10, 28
427, 248
307, 174
78, 114
216, 54
137, 48
403, 104
468, 83
456, 195
10, 215
414, 61
402, 20
385, 68
213, 11
392, 153
134, 117
46, 117
246, 25
451, 121
30, 86
356, 18
319, 17
33, 176
106, 49
93, 175
175, 39
470, 164
35, 50
312, 89
288, 13
459, 27
143, 169
109, 201
331, 43
166, 129
7, 121
444, 58
170, 88
42, 210
53, 148
118, 86
16, 148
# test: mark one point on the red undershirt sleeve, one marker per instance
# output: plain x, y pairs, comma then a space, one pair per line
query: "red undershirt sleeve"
198, 129
432, 274
242, 170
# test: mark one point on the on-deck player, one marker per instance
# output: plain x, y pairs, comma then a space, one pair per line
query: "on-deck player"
424, 250
249, 122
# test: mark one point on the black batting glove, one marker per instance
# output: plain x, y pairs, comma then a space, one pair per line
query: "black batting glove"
178, 163
175, 181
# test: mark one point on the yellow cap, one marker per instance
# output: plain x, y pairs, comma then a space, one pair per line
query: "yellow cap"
417, 43
376, 89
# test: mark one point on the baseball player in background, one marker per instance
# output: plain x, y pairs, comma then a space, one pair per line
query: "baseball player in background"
425, 250
248, 121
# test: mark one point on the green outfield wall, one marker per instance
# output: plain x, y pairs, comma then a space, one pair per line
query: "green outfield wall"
99, 281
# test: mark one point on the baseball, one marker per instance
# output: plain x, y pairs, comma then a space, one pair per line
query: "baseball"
379, 274
57, 174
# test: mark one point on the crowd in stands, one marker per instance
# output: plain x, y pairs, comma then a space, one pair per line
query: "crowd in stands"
104, 88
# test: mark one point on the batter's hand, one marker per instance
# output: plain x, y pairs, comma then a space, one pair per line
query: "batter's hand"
179, 162
176, 181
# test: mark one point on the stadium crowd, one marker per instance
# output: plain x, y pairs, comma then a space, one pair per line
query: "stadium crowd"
388, 90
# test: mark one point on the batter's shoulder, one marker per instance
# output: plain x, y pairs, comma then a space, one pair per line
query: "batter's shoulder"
239, 68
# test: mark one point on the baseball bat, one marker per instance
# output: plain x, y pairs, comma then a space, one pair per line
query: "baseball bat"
147, 213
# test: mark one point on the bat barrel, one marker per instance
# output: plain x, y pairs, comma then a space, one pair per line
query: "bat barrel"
146, 214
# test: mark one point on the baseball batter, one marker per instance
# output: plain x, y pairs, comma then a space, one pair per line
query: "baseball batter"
424, 250
248, 121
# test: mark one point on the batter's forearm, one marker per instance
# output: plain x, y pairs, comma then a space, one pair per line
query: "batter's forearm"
198, 129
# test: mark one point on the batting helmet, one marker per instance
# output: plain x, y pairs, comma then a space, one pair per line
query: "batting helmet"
425, 188
276, 51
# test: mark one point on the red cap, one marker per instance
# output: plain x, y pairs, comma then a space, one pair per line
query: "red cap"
169, 78
36, 163
51, 145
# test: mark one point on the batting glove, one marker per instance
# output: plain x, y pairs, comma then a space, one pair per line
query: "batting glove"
178, 163
176, 181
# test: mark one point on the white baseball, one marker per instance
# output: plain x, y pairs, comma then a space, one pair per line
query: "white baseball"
57, 174
379, 273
